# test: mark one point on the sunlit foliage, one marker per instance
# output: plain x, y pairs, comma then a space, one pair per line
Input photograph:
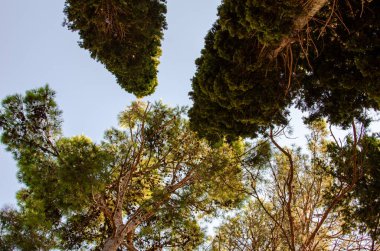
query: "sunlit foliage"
143, 185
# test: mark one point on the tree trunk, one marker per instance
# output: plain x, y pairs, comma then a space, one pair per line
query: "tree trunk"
112, 243
121, 234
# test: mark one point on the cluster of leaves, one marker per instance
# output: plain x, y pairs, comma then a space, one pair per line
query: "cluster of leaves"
123, 35
344, 79
267, 21
238, 90
20, 232
155, 174
361, 207
252, 229
158, 232
59, 173
232, 94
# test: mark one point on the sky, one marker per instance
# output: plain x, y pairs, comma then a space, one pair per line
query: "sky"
35, 49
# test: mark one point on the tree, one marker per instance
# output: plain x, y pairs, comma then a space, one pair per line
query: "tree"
123, 35
251, 229
19, 232
260, 58
344, 80
360, 208
142, 185
233, 95
296, 204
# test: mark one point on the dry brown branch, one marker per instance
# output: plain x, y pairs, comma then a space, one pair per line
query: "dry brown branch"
328, 19
289, 183
342, 193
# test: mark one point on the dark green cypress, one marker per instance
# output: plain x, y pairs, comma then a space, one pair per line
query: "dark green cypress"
123, 35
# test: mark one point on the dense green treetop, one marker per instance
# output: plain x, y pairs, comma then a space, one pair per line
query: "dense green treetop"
123, 35
237, 91
231, 94
266, 21
344, 80
330, 70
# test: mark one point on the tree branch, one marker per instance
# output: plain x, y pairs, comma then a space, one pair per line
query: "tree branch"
311, 8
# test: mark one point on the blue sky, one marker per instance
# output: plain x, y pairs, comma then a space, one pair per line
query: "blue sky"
35, 49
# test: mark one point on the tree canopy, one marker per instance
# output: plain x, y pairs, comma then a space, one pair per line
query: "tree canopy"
142, 185
344, 80
125, 36
244, 84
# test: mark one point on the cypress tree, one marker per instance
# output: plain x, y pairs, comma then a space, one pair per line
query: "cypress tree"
125, 36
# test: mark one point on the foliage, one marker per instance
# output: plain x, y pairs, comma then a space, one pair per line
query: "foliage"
158, 232
123, 35
329, 69
20, 232
360, 208
251, 229
237, 91
143, 185
344, 81
269, 21
232, 95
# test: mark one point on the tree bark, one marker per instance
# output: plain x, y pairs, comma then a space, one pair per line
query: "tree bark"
310, 10
129, 243
112, 244
115, 241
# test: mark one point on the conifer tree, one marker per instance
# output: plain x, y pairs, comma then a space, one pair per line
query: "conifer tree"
142, 185
258, 60
125, 36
